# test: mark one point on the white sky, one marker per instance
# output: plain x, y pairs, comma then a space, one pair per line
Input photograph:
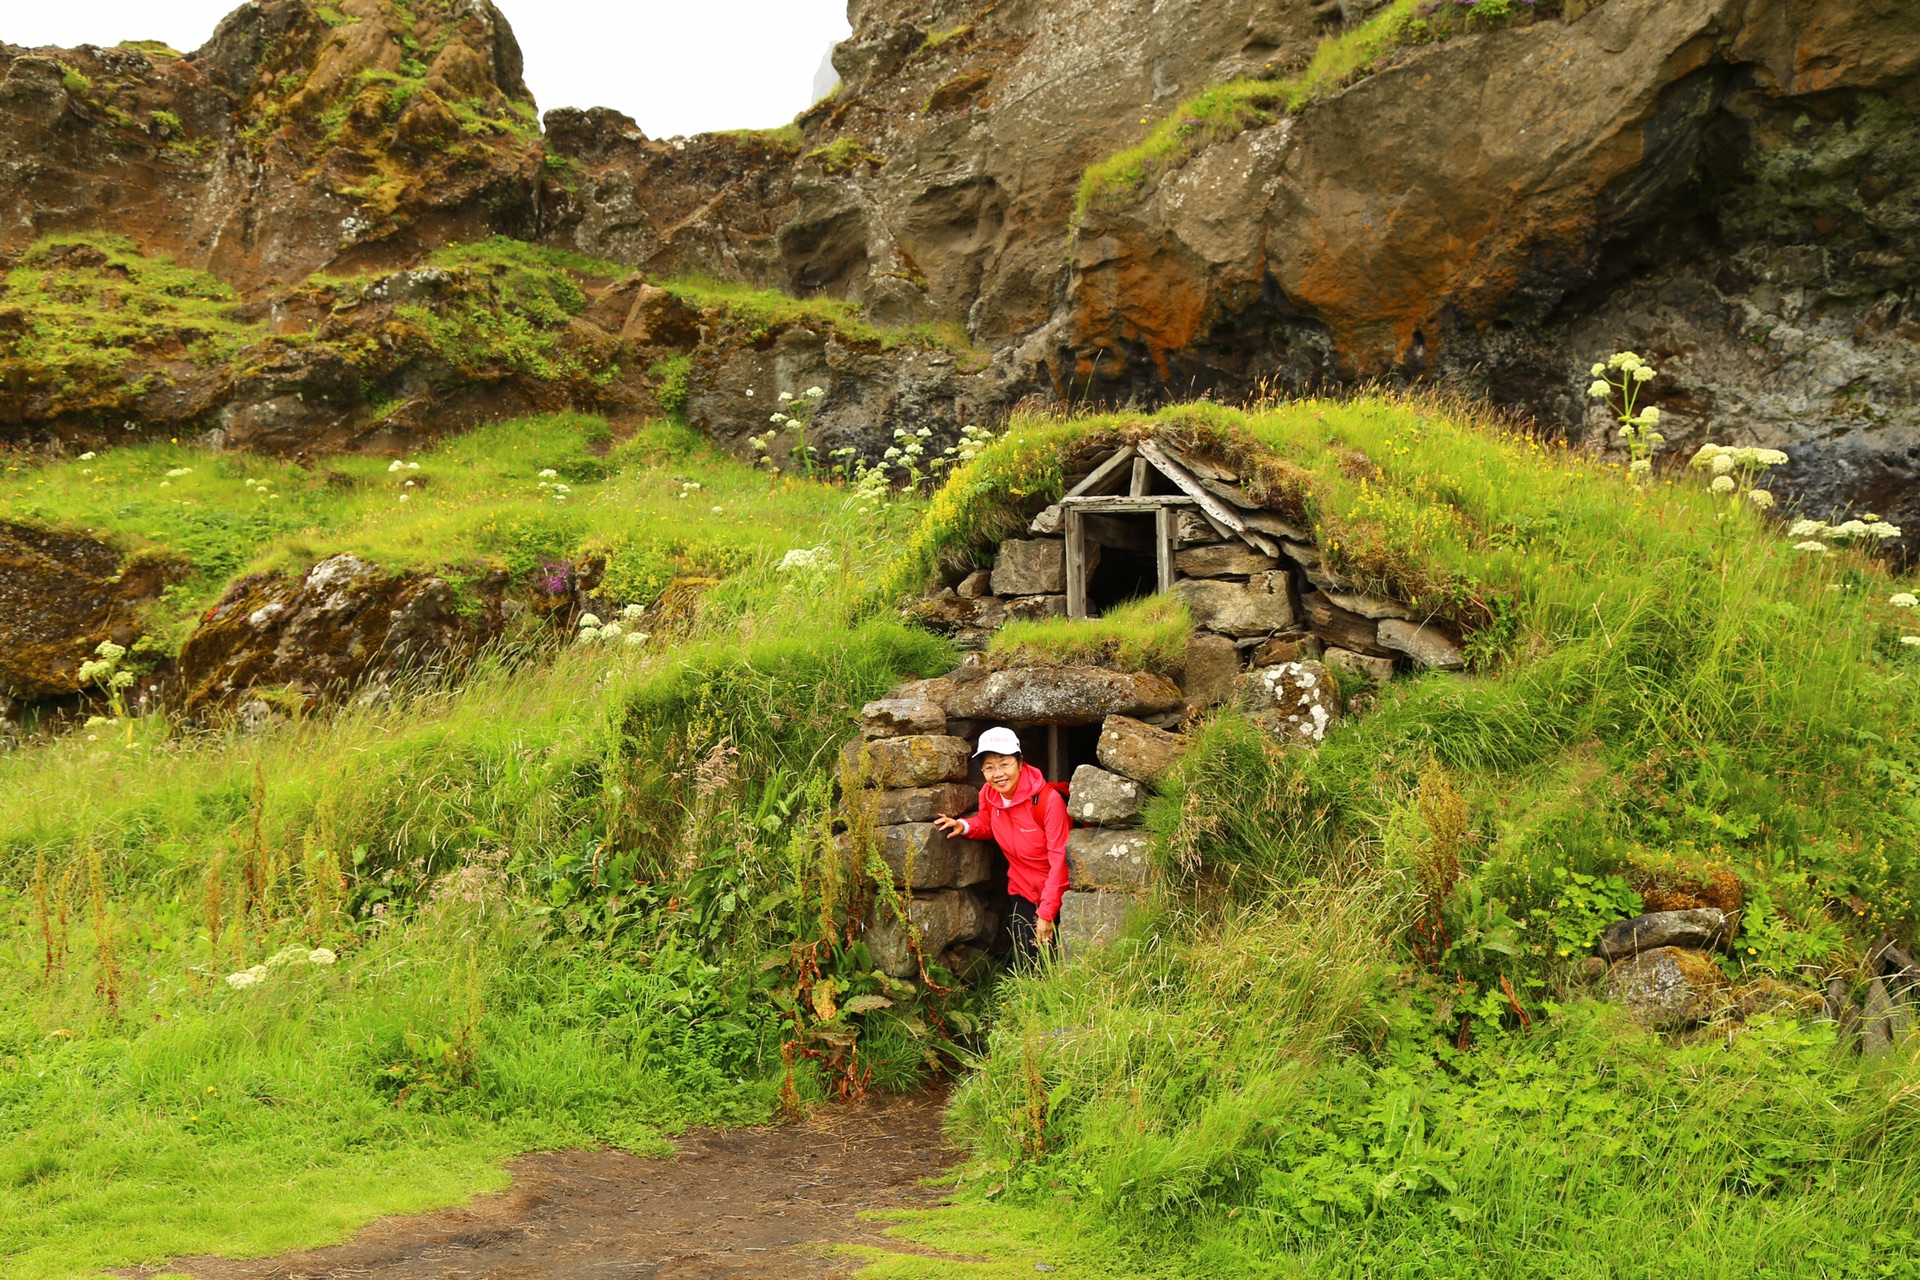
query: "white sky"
675, 66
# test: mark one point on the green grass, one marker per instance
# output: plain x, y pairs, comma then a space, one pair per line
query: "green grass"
1223, 112
756, 313
1140, 635
87, 326
1267, 1079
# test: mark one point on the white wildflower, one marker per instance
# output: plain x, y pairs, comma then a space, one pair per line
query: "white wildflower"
588, 635
548, 473
321, 955
177, 472
1903, 600
1722, 464
1915, 640
1648, 416
716, 510
612, 631
1760, 498
1807, 529
88, 456
396, 465
1599, 370
1599, 389
1643, 374
286, 956
635, 639
633, 612
749, 393
405, 496
1722, 484
815, 393
1810, 546
1640, 467
247, 977
413, 466
588, 620
786, 397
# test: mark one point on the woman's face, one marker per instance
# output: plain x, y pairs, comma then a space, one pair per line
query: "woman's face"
1002, 772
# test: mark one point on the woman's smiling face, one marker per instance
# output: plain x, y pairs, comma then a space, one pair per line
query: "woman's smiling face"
1001, 772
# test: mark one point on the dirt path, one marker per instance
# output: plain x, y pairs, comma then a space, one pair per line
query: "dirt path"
741, 1204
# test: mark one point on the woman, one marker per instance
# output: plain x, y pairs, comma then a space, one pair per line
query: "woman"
1028, 820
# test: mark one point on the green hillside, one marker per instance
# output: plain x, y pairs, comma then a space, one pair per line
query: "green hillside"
590, 892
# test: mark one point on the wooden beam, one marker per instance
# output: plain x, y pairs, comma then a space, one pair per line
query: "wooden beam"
1056, 755
1151, 502
1220, 512
1076, 564
1163, 545
1138, 487
1105, 472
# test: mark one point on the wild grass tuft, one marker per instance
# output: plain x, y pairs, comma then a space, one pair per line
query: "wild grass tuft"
1148, 634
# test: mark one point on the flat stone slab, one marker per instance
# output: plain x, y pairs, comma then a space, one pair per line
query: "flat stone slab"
944, 918
923, 804
918, 760
1700, 928
918, 855
1030, 567
1064, 695
1428, 644
1100, 858
1376, 670
1261, 604
902, 717
1222, 560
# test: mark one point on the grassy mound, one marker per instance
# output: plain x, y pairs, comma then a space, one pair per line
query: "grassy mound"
601, 896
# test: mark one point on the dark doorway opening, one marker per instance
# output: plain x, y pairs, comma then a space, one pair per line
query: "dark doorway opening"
1128, 563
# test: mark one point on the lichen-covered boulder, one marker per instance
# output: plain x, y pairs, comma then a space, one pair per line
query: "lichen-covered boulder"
1063, 695
953, 915
1105, 859
1669, 987
917, 760
1294, 701
1101, 799
1138, 751
923, 804
1090, 919
902, 717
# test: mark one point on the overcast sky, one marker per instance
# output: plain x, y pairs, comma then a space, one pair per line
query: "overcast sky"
676, 66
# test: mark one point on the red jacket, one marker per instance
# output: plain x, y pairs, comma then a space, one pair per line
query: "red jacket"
1033, 836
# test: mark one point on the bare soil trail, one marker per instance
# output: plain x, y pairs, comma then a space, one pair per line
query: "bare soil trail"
739, 1204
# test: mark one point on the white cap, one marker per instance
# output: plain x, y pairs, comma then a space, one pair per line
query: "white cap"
1001, 742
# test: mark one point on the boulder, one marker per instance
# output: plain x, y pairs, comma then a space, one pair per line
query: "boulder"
1138, 751
1700, 928
919, 856
1883, 1023
61, 595
922, 804
943, 919
980, 862
1299, 648
1367, 606
1100, 859
1064, 695
1030, 567
1098, 798
918, 760
1338, 627
1429, 644
975, 585
1033, 608
1190, 528
1262, 604
659, 319
1207, 673
936, 691
1669, 987
1376, 670
1222, 560
902, 717
1296, 701
1090, 919
951, 614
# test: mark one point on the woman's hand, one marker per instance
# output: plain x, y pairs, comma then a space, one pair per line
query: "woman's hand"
1043, 932
950, 827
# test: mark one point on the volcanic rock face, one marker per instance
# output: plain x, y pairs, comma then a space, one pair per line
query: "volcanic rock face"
61, 594
300, 137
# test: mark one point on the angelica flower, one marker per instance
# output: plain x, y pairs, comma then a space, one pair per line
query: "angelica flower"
1903, 600
1816, 547
1599, 370
633, 613
716, 510
1643, 374
1807, 529
405, 496
612, 631
548, 473
786, 397
1599, 389
815, 393
891, 453
1648, 416
246, 977
321, 955
1722, 484
1914, 640
1760, 498
1640, 467
588, 620
177, 472
88, 456
635, 639
1723, 464
396, 465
